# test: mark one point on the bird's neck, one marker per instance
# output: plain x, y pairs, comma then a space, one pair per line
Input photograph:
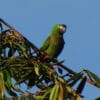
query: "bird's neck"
57, 35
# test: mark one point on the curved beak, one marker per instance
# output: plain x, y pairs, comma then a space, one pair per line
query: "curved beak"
63, 28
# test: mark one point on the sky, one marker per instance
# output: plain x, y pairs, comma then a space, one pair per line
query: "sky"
35, 19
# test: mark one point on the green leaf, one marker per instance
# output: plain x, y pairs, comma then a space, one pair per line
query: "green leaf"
2, 87
21, 98
47, 92
41, 86
74, 95
10, 92
7, 78
30, 97
54, 92
38, 98
61, 92
36, 68
78, 97
93, 77
21, 48
17, 89
74, 79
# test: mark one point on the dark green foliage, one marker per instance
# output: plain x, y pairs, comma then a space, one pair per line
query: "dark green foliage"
20, 61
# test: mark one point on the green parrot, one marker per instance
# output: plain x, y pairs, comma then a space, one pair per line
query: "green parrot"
54, 44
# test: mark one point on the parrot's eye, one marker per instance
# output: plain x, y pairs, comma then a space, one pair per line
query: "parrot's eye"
62, 28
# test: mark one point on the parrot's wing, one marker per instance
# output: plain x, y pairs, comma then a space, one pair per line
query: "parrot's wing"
45, 44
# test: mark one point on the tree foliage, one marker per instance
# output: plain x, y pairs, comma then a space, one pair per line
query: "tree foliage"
21, 62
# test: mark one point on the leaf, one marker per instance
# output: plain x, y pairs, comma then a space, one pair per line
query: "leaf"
61, 79
2, 87
22, 49
10, 92
73, 82
74, 79
21, 97
54, 92
26, 96
74, 95
41, 86
36, 68
7, 78
30, 97
17, 89
47, 92
75, 76
78, 97
61, 92
20, 81
38, 98
93, 77
69, 90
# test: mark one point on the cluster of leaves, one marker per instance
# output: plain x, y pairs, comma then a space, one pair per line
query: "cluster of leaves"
21, 61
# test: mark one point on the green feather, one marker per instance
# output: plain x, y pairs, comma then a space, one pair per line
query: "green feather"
45, 44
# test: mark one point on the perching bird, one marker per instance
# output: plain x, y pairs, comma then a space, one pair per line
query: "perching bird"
54, 44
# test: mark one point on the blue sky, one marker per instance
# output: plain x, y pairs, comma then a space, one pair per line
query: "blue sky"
35, 18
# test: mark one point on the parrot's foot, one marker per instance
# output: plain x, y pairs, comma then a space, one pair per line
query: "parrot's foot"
44, 57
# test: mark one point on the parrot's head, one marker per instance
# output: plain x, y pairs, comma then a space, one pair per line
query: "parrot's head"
59, 28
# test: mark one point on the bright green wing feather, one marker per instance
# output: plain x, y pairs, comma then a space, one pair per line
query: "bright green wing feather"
45, 44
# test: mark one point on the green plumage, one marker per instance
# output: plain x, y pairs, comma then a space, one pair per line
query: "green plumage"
54, 44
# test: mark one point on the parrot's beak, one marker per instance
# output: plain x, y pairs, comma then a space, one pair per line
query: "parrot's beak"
62, 28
